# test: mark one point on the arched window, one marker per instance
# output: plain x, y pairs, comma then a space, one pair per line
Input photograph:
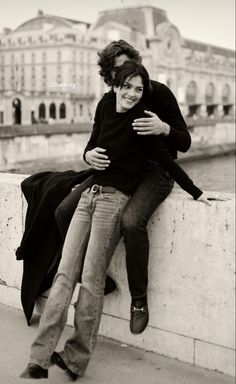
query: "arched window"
225, 94
191, 93
52, 111
210, 103
42, 111
210, 93
81, 109
227, 105
62, 111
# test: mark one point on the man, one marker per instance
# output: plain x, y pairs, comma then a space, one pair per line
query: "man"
94, 230
165, 119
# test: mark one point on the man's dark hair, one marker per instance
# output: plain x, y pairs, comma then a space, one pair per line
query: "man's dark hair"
127, 71
112, 50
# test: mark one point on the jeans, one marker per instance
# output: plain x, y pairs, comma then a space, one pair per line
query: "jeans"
89, 246
153, 189
66, 208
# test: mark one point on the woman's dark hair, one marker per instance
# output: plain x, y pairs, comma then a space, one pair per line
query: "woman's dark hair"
127, 71
108, 54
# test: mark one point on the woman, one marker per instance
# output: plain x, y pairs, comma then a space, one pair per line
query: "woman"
95, 227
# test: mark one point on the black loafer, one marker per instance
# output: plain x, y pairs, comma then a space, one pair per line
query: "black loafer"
34, 371
139, 317
58, 360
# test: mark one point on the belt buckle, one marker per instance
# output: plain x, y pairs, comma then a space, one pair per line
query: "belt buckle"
95, 188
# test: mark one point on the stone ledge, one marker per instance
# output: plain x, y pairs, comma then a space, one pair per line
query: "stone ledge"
191, 288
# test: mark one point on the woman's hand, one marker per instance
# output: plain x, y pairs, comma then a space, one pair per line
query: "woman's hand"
97, 159
203, 198
208, 197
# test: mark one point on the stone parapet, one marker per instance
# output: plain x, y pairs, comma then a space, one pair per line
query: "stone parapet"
191, 278
60, 143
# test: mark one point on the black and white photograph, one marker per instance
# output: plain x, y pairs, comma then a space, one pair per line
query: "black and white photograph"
117, 191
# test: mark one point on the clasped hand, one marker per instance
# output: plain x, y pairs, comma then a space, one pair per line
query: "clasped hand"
149, 125
97, 159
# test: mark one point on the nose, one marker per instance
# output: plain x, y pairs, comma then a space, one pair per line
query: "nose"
131, 92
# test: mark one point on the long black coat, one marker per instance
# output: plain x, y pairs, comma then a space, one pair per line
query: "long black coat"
41, 245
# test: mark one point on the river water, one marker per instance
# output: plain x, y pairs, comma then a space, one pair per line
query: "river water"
211, 174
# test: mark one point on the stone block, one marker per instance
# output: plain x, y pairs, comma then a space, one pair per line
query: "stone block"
11, 228
215, 357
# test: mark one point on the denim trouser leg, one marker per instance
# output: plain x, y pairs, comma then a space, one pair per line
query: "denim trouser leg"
54, 315
90, 242
105, 235
67, 207
153, 189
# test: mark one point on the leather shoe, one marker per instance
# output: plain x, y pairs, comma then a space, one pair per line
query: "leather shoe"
34, 371
58, 360
139, 317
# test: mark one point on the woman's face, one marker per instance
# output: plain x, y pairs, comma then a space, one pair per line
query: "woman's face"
129, 94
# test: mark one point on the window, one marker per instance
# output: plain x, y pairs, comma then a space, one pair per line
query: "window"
62, 111
42, 111
191, 93
52, 111
210, 93
1, 117
226, 94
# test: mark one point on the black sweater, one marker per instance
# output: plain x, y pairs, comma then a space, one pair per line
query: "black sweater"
128, 151
161, 101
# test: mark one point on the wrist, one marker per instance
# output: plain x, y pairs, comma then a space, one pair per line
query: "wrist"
166, 129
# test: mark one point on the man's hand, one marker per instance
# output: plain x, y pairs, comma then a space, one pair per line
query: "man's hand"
97, 159
150, 125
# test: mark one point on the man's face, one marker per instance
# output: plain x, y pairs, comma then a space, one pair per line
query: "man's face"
118, 61
129, 94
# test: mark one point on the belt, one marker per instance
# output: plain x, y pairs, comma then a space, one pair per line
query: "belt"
102, 189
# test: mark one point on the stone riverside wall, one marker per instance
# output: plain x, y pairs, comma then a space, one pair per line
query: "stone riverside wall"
60, 143
191, 289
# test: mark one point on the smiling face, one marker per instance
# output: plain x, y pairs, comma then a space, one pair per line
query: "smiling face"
129, 94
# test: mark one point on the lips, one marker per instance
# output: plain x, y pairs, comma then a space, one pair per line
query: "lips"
129, 100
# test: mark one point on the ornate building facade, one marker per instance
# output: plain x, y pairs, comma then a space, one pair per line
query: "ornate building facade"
48, 66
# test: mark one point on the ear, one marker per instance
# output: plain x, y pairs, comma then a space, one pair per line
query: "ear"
115, 88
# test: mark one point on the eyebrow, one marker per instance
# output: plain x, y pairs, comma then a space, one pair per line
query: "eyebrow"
138, 86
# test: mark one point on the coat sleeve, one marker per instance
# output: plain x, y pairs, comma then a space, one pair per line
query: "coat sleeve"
165, 159
179, 137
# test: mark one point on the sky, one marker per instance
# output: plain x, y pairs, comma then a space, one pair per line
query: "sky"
210, 21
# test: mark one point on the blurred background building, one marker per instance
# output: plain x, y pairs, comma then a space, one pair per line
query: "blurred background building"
49, 72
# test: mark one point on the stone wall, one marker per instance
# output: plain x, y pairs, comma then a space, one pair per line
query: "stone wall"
191, 289
15, 149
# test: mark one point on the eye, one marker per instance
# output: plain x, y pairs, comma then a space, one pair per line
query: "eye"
139, 90
126, 85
